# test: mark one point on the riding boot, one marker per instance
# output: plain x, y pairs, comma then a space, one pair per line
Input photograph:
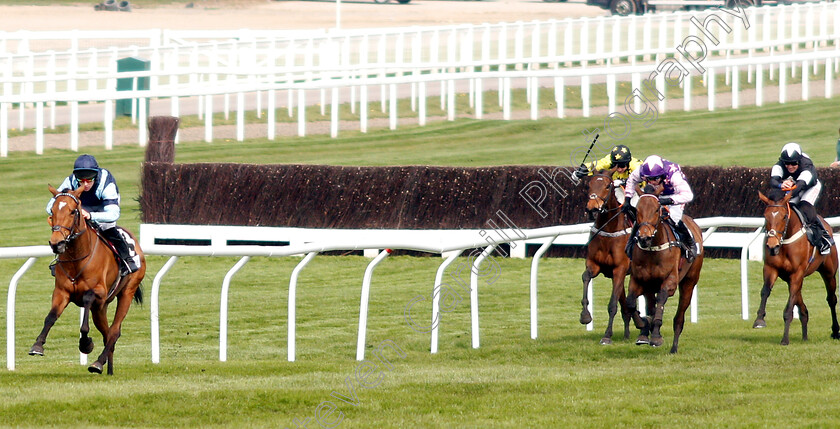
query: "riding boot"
823, 239
687, 240
127, 265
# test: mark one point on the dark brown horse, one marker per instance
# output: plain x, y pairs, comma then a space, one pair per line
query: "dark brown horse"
790, 256
87, 275
605, 252
657, 268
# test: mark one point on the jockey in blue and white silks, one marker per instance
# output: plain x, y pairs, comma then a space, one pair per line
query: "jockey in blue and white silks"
100, 203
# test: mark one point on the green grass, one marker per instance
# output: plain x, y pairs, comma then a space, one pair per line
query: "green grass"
726, 374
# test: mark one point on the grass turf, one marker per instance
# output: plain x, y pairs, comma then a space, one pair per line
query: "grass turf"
726, 374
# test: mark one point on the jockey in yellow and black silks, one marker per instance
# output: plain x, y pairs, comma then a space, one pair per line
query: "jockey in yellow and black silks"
619, 158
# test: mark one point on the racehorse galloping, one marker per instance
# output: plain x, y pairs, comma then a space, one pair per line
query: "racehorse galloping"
787, 255
658, 266
605, 252
87, 275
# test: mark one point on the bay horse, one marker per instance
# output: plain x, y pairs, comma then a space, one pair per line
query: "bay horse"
87, 275
790, 257
658, 267
605, 251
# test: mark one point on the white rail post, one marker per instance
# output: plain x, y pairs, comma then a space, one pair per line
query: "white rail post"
694, 305
290, 353
436, 298
155, 333
82, 356
39, 128
392, 106
4, 130
363, 308
271, 118
474, 293
240, 116
301, 112
535, 265
109, 124
710, 88
10, 313
223, 307
745, 307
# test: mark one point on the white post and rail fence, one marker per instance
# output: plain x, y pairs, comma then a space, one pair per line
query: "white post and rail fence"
214, 241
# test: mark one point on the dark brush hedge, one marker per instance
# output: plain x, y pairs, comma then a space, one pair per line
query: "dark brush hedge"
412, 197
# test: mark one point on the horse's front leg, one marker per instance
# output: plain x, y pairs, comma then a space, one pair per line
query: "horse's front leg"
803, 316
85, 342
634, 290
770, 276
592, 271
60, 299
668, 288
795, 288
100, 320
617, 298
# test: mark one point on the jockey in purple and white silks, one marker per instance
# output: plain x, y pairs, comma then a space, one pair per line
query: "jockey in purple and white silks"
676, 194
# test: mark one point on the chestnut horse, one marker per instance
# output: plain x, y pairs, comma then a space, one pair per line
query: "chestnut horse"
658, 266
790, 256
605, 251
87, 275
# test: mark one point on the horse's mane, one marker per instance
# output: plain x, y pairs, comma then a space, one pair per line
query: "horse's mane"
775, 194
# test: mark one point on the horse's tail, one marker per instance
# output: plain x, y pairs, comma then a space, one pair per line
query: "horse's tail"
138, 294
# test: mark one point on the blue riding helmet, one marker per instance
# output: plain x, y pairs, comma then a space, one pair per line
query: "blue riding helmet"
85, 167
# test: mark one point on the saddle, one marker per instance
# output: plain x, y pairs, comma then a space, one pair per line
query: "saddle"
128, 240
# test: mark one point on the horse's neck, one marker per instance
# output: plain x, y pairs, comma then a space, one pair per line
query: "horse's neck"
793, 224
609, 219
82, 246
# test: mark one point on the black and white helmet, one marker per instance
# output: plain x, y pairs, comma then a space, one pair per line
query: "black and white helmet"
791, 153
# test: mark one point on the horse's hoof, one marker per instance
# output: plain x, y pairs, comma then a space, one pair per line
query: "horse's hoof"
785, 342
656, 341
835, 335
85, 345
759, 324
585, 318
642, 340
606, 341
95, 368
36, 351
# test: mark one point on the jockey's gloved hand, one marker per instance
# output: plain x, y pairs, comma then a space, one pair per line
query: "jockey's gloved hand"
665, 201
626, 208
581, 172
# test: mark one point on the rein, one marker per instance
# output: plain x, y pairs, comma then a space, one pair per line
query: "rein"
659, 247
72, 237
601, 210
775, 234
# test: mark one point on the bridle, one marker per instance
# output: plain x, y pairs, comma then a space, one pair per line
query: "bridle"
603, 201
602, 209
772, 233
70, 236
655, 226
664, 246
